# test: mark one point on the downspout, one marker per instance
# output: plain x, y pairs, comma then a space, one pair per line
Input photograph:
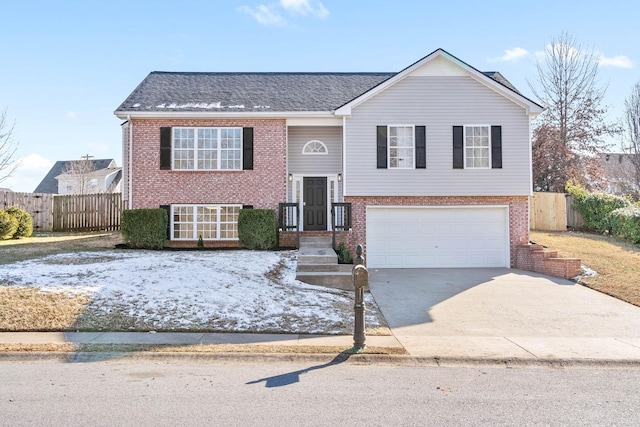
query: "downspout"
344, 155
130, 171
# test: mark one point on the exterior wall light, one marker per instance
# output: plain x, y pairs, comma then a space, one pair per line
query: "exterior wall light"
339, 177
290, 177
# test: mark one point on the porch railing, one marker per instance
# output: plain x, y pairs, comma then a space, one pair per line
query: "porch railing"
289, 219
340, 219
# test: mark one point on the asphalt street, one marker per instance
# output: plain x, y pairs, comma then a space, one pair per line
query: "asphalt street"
122, 392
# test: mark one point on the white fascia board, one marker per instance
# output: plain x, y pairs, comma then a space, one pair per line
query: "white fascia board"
314, 121
221, 115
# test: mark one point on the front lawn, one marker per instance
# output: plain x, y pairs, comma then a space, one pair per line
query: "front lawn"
69, 284
616, 263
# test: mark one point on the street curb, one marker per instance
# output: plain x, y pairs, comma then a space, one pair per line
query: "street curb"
327, 359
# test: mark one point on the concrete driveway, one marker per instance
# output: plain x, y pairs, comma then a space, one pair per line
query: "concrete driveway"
503, 313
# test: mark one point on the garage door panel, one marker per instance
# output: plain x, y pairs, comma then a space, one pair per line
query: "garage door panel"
437, 237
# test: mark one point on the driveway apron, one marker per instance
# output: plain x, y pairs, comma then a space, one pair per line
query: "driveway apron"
498, 312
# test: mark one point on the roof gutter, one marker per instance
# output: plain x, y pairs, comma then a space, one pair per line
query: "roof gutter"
222, 114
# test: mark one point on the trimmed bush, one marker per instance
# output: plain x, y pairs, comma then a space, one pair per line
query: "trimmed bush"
625, 223
25, 223
144, 228
257, 228
595, 207
8, 225
344, 257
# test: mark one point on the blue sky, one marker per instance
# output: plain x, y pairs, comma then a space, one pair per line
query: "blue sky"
65, 66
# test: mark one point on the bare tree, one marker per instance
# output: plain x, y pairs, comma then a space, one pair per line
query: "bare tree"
77, 175
631, 143
573, 124
8, 148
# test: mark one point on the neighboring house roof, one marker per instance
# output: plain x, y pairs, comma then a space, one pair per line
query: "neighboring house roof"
265, 92
49, 183
619, 168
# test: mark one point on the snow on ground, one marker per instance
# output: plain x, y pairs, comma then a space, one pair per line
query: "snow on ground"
235, 291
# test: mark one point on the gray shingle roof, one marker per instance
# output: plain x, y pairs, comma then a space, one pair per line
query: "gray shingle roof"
253, 92
248, 92
49, 183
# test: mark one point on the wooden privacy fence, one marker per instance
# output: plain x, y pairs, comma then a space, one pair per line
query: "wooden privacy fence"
90, 212
553, 212
38, 205
52, 212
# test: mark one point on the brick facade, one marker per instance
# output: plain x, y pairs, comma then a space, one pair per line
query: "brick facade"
518, 214
263, 187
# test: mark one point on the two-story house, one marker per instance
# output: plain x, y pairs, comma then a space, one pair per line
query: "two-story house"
431, 166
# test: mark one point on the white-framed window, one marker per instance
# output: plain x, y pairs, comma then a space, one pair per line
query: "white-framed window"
401, 147
207, 148
477, 147
212, 222
315, 147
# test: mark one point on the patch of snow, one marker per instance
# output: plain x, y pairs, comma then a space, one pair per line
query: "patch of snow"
236, 107
136, 105
201, 105
586, 272
233, 290
261, 107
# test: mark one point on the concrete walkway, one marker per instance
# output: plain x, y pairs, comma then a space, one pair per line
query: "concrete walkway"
465, 315
190, 338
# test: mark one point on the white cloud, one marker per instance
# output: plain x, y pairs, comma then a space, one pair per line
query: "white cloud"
270, 14
71, 115
512, 55
302, 7
619, 61
265, 15
27, 176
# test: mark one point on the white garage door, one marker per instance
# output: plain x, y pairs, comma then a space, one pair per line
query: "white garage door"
437, 237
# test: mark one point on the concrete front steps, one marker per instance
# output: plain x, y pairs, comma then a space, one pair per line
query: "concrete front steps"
318, 264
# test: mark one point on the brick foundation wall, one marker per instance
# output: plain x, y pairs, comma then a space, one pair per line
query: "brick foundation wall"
263, 187
287, 239
190, 244
518, 214
535, 258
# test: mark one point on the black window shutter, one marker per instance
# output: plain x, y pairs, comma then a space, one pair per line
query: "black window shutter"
458, 148
421, 147
247, 148
382, 147
496, 147
165, 148
168, 209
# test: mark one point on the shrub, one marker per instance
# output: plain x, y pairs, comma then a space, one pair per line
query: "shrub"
625, 223
25, 223
595, 207
8, 225
344, 257
257, 228
144, 228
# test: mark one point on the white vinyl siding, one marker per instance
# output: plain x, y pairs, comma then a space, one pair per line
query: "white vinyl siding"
314, 165
439, 103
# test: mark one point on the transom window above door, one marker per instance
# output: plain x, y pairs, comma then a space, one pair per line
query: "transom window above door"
315, 147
